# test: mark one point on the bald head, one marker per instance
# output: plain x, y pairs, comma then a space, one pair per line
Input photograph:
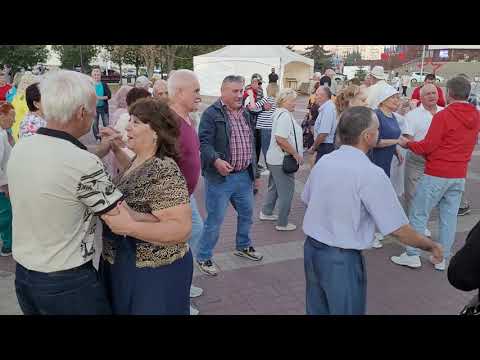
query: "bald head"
428, 95
184, 89
160, 89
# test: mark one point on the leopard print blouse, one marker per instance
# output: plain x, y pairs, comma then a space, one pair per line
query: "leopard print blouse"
156, 185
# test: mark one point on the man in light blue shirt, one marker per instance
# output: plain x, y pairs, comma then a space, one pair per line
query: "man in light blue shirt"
325, 124
347, 196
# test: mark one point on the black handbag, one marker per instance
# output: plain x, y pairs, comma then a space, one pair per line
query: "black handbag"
290, 164
472, 308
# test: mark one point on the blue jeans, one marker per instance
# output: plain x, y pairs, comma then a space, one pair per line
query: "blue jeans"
430, 192
76, 291
197, 226
238, 190
105, 120
336, 280
266, 137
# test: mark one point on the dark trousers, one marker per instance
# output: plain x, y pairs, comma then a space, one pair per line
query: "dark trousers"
258, 143
105, 120
5, 222
336, 280
324, 149
76, 291
404, 90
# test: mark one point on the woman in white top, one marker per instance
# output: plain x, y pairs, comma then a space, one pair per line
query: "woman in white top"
286, 140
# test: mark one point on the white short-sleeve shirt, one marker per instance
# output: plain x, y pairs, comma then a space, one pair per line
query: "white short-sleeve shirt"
56, 189
347, 197
283, 125
418, 122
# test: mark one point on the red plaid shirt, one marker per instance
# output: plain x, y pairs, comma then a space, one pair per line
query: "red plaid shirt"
240, 143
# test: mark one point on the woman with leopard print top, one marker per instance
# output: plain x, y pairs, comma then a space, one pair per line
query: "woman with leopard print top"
146, 263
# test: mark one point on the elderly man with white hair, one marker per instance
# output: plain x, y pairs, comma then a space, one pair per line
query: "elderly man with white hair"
184, 96
160, 89
57, 189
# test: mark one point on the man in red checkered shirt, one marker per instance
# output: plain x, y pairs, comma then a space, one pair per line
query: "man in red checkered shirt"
227, 148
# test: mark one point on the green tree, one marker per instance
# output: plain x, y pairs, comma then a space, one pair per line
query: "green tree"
322, 58
72, 56
184, 55
361, 73
23, 56
353, 58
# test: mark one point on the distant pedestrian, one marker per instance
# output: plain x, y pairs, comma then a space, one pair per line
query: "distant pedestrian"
405, 80
103, 95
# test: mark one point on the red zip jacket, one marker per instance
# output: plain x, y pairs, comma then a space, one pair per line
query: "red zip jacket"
450, 141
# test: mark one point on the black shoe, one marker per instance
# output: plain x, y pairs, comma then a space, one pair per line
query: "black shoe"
207, 267
6, 251
464, 211
249, 253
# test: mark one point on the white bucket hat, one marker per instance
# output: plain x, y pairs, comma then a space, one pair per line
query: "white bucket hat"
378, 72
383, 92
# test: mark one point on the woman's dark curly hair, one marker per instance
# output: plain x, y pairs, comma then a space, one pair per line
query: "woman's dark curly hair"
158, 115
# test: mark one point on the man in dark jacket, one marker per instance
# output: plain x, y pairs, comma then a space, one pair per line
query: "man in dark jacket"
227, 148
103, 95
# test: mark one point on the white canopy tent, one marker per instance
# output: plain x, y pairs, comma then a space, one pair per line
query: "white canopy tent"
246, 60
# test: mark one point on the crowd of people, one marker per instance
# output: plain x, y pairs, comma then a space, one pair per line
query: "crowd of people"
114, 227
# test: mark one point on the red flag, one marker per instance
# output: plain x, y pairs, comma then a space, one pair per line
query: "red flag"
401, 56
384, 56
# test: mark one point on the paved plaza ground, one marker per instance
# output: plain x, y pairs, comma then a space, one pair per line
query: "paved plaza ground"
276, 285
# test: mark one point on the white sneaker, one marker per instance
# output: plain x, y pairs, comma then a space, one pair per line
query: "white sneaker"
441, 266
268, 217
377, 244
195, 291
406, 260
428, 233
289, 227
265, 172
193, 311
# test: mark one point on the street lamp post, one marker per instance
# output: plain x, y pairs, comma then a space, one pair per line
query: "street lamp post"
423, 57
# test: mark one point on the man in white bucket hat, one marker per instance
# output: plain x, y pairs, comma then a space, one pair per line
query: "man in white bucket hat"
376, 78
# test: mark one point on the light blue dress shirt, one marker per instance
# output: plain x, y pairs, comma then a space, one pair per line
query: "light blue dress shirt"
347, 196
326, 122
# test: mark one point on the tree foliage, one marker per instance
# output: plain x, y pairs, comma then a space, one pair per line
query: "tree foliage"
23, 56
361, 73
72, 56
353, 58
322, 58
184, 55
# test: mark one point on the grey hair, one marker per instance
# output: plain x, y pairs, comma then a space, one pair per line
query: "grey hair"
233, 79
64, 92
178, 79
458, 88
353, 122
327, 90
426, 86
